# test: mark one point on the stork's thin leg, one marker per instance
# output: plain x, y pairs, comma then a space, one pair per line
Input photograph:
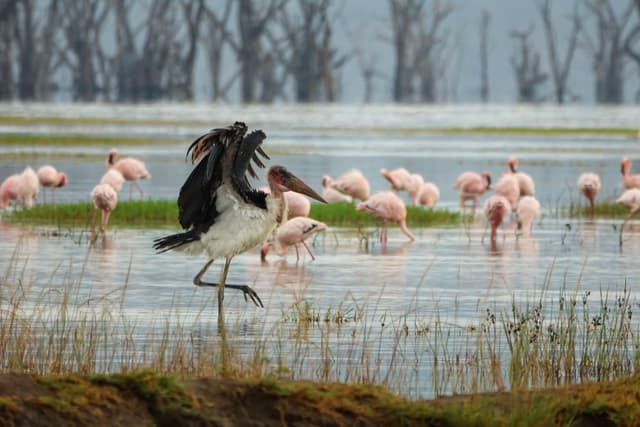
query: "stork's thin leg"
130, 190
247, 291
223, 279
308, 250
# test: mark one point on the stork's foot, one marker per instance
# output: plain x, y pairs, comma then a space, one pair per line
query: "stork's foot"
247, 291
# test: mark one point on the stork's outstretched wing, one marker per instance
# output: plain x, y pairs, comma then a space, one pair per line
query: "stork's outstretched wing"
224, 156
247, 151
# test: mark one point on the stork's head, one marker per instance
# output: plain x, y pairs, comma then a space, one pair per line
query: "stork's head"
281, 180
513, 164
326, 181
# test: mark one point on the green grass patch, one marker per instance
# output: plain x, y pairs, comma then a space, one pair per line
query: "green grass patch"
345, 215
601, 210
53, 120
28, 139
484, 130
163, 213
134, 213
628, 132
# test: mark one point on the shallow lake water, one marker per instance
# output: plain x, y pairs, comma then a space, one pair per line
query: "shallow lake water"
448, 273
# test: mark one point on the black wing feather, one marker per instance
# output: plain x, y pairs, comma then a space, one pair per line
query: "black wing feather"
218, 151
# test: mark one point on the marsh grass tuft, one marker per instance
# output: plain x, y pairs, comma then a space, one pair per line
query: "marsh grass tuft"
607, 209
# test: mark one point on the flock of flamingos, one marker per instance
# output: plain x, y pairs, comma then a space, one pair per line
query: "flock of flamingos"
514, 193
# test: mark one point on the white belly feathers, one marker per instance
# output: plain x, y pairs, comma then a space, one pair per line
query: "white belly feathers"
239, 226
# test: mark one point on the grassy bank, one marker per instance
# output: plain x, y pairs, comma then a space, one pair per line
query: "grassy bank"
154, 213
151, 399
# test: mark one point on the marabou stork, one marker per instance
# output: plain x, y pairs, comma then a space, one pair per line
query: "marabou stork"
222, 214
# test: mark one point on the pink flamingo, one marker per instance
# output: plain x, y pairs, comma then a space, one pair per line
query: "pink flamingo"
10, 190
414, 187
330, 194
114, 178
354, 184
471, 186
398, 178
29, 186
293, 233
528, 210
297, 204
589, 186
630, 199
105, 198
387, 206
496, 209
629, 181
48, 176
131, 169
509, 188
428, 195
525, 182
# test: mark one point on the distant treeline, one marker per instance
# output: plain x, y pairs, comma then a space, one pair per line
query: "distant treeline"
285, 50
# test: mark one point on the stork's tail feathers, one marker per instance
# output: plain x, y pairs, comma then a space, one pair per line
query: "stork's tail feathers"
174, 241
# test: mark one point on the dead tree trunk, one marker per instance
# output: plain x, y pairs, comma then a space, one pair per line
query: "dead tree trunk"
7, 22
82, 28
526, 66
34, 40
214, 38
632, 45
430, 48
403, 15
252, 25
484, 56
311, 58
559, 68
609, 50
192, 15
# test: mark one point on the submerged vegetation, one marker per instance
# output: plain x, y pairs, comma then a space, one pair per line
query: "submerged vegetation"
153, 213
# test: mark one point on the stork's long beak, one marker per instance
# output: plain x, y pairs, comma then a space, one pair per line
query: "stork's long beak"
294, 183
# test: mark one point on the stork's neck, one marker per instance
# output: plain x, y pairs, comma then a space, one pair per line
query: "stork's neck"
281, 202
